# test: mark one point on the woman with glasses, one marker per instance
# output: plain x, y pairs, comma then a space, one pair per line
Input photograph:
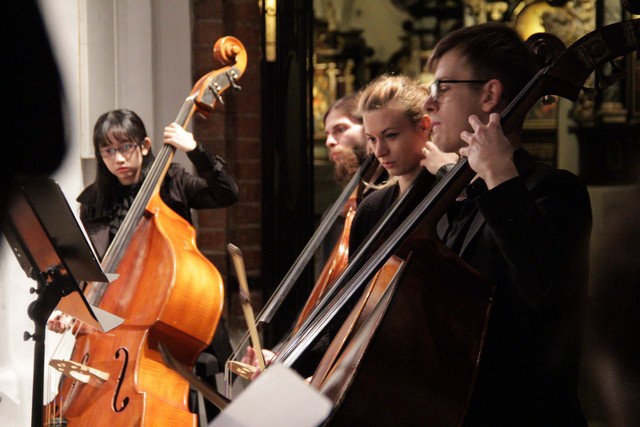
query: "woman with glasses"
123, 154
397, 131
124, 157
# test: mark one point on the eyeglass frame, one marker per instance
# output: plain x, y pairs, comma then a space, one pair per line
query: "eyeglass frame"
433, 88
119, 149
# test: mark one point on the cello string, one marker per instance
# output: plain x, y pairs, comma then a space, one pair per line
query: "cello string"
341, 296
357, 261
290, 278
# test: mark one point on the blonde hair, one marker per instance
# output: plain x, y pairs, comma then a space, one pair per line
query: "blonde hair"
393, 91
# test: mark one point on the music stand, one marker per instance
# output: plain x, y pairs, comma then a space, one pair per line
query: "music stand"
52, 249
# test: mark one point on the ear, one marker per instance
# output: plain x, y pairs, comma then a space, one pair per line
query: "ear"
146, 146
491, 95
425, 125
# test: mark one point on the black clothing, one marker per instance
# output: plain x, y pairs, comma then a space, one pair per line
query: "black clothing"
370, 211
36, 143
529, 236
335, 232
180, 190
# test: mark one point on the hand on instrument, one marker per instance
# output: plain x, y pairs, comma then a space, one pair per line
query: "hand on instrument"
59, 322
250, 357
489, 151
175, 135
434, 159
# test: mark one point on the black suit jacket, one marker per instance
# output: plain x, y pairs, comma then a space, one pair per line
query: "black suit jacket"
529, 236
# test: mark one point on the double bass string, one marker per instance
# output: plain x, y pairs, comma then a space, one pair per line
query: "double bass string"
95, 291
151, 183
328, 300
290, 279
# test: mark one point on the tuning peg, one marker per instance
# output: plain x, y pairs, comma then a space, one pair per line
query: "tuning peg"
215, 89
606, 80
233, 77
589, 93
616, 71
27, 336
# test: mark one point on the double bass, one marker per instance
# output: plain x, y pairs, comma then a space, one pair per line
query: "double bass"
168, 293
368, 171
339, 257
437, 306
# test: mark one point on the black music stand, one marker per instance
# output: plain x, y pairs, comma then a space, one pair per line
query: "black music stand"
52, 249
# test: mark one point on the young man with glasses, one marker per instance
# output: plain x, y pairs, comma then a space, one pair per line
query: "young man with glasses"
522, 224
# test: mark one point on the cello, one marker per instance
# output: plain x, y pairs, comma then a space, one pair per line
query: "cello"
339, 257
353, 190
448, 317
167, 291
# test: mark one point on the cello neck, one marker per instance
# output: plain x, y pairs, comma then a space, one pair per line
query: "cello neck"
428, 211
309, 250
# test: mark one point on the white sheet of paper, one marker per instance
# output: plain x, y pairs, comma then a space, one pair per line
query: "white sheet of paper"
278, 397
74, 306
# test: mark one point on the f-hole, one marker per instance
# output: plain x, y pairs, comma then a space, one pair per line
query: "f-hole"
125, 401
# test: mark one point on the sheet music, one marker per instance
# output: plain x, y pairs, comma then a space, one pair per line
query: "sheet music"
278, 397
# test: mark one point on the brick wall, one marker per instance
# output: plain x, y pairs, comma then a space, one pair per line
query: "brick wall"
232, 130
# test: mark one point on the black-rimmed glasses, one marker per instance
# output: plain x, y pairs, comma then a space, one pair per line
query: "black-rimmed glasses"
125, 149
435, 90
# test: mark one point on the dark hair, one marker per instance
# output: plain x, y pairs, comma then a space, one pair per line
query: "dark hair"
493, 51
120, 125
348, 105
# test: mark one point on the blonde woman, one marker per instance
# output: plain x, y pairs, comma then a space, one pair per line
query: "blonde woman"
397, 131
